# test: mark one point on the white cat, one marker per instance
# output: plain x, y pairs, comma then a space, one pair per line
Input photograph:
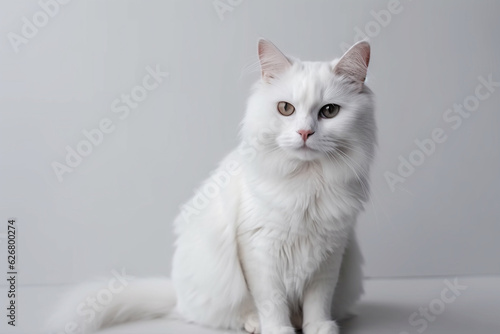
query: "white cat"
267, 244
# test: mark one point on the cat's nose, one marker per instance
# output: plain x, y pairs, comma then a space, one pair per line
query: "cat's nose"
305, 134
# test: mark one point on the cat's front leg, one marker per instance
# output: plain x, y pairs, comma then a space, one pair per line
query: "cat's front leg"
318, 297
271, 303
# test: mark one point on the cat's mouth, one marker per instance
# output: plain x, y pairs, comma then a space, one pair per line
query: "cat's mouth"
306, 148
306, 153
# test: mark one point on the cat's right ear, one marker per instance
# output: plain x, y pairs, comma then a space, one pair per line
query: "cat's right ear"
272, 60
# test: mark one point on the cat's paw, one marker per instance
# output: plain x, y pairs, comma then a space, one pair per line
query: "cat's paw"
252, 324
321, 327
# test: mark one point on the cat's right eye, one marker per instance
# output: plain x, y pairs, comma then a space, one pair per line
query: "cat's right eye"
285, 108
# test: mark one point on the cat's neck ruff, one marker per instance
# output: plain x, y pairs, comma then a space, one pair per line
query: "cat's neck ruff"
299, 184
279, 167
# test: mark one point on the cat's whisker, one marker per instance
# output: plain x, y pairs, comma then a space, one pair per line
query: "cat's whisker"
362, 184
355, 149
371, 198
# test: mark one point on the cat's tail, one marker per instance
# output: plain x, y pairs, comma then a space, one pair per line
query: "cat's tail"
93, 306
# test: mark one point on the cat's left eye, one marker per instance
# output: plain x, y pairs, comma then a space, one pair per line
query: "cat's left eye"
329, 110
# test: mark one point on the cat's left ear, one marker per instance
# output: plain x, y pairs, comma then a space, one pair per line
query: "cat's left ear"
272, 60
354, 63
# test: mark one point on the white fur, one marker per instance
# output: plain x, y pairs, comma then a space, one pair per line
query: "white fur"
81, 312
274, 247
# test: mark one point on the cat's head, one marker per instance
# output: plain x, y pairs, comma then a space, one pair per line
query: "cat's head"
312, 111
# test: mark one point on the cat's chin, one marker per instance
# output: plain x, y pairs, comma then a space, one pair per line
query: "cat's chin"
305, 153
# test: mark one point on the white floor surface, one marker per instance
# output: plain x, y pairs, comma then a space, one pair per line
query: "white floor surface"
386, 308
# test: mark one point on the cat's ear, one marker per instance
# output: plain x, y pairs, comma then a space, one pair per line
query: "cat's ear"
354, 63
272, 60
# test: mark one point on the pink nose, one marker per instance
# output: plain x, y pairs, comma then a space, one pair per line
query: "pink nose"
305, 134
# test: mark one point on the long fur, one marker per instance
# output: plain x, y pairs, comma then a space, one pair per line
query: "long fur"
267, 243
81, 312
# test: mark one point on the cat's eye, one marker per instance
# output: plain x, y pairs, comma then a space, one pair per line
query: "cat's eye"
329, 110
285, 108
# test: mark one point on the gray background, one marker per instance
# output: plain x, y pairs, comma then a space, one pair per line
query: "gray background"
115, 209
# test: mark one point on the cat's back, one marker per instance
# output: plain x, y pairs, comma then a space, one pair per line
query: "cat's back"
216, 201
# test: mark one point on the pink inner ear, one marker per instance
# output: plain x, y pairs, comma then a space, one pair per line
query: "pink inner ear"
354, 63
272, 61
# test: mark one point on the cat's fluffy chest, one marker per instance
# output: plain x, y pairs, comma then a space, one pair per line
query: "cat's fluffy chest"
306, 202
293, 225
